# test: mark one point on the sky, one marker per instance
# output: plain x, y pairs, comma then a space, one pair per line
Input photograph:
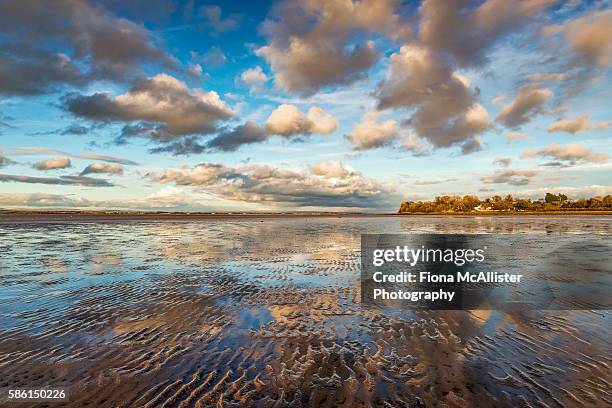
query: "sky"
308, 105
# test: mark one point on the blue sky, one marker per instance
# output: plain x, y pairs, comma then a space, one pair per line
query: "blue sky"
301, 105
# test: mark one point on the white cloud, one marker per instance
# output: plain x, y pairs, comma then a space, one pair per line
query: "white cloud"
5, 161
327, 184
515, 177
332, 168
195, 70
169, 198
36, 150
572, 193
502, 161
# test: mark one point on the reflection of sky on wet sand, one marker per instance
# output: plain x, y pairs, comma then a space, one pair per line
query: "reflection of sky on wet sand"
268, 312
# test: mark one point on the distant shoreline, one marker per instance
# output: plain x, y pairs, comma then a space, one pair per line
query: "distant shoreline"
18, 216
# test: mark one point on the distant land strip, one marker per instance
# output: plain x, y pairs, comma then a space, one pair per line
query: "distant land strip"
19, 217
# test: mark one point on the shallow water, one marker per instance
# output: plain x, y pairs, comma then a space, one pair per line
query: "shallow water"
251, 312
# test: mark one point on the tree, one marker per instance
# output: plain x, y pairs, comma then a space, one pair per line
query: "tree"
551, 198
582, 203
523, 205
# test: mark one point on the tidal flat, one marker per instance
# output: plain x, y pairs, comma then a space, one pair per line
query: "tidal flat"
236, 312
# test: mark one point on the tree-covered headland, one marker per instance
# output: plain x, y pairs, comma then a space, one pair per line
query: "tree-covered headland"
471, 203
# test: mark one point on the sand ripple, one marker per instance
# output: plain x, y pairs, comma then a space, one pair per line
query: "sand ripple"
243, 313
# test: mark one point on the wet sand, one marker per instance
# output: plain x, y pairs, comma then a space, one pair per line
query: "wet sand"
265, 312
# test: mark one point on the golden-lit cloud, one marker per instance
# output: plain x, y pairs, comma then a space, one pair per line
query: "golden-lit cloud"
54, 163
529, 101
287, 120
173, 108
103, 168
578, 124
516, 137
570, 153
588, 36
446, 109
370, 133
254, 78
